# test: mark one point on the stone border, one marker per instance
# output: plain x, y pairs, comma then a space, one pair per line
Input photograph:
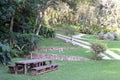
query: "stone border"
57, 57
53, 49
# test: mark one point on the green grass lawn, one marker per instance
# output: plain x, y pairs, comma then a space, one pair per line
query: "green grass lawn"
69, 70
89, 37
57, 43
54, 42
112, 45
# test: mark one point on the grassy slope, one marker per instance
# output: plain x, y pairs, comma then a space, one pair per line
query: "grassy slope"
112, 45
69, 70
56, 43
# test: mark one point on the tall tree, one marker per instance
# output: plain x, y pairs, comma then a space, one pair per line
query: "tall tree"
41, 6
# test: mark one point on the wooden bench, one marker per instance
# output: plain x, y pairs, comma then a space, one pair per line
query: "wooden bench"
12, 69
43, 69
54, 66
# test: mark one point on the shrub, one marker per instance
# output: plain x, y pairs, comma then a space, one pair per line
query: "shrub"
85, 30
107, 30
47, 32
24, 43
4, 31
97, 48
111, 36
108, 36
5, 57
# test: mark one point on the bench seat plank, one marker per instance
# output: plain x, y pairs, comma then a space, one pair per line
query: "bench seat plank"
43, 69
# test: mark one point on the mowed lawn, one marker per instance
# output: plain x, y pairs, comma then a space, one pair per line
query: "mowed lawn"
69, 70
73, 50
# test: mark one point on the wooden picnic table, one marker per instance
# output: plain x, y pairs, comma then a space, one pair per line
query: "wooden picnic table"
26, 63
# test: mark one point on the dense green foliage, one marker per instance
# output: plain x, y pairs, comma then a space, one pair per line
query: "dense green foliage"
5, 57
47, 32
19, 24
6, 11
24, 43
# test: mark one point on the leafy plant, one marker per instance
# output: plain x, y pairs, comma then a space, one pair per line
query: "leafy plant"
85, 30
97, 48
5, 57
24, 43
47, 32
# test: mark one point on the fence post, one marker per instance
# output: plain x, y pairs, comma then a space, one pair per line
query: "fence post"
72, 40
30, 55
60, 50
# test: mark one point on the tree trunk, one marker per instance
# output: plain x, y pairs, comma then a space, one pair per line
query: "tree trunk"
11, 24
41, 23
38, 30
11, 30
36, 22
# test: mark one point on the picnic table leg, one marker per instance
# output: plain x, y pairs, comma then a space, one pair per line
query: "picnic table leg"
25, 68
50, 61
16, 68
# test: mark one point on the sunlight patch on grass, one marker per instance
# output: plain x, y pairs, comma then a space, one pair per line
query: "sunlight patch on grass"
109, 72
116, 50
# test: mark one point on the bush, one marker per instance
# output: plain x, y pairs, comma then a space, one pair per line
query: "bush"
4, 31
85, 30
97, 48
24, 43
91, 29
5, 57
108, 36
111, 36
47, 32
106, 30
